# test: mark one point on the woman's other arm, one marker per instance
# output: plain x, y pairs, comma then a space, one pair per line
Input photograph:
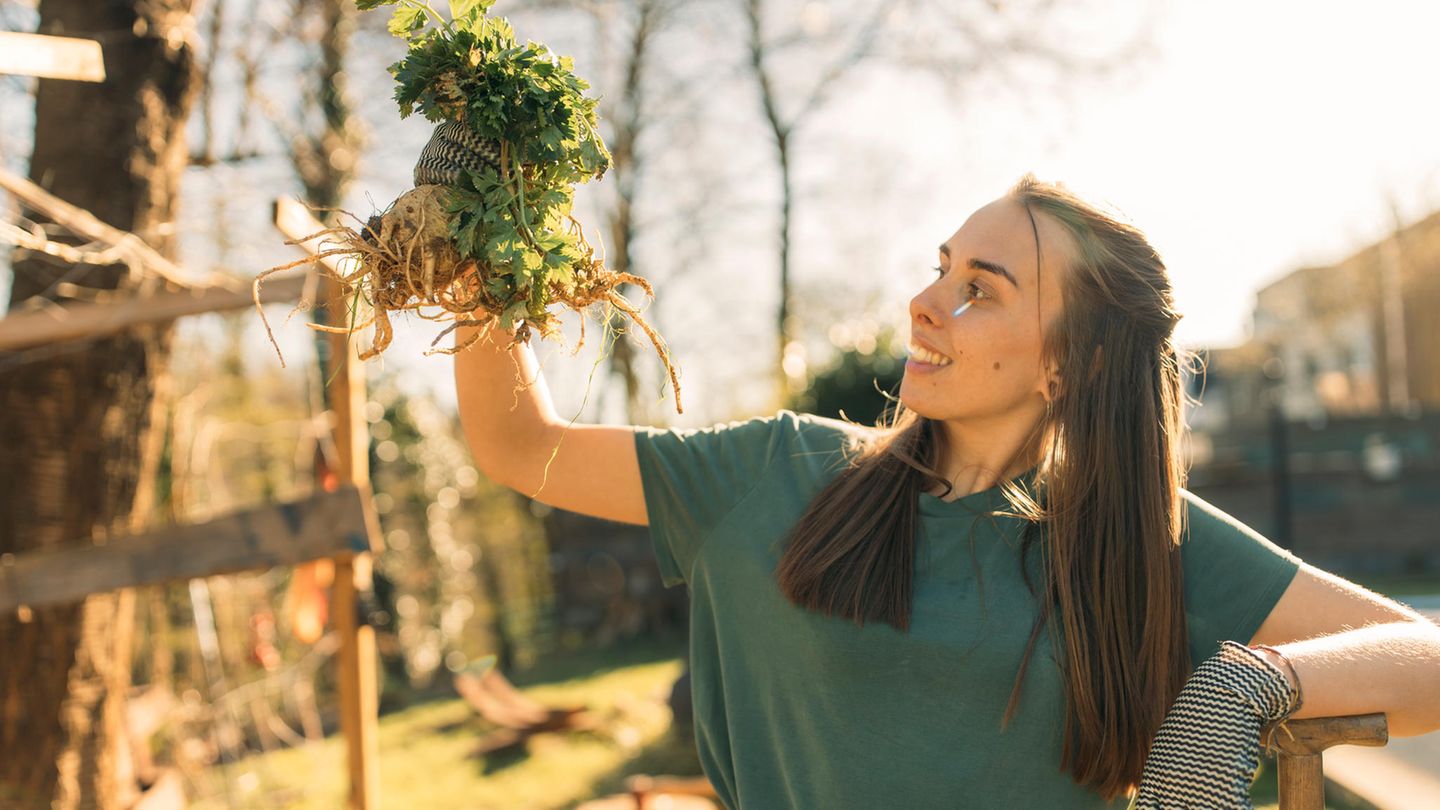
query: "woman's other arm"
1392, 668
1356, 652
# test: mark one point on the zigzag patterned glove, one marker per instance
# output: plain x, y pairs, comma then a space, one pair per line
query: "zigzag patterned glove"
454, 148
1206, 753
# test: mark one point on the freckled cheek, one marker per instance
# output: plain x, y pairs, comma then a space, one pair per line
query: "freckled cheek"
992, 349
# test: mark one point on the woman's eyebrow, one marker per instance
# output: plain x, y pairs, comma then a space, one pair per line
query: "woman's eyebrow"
989, 267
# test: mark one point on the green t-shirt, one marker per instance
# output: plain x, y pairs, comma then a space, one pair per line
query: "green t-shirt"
794, 709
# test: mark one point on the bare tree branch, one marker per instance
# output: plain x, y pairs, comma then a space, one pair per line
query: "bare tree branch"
872, 32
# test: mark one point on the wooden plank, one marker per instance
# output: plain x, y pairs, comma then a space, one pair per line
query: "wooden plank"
81, 321
358, 686
51, 57
359, 693
216, 292
326, 525
1314, 734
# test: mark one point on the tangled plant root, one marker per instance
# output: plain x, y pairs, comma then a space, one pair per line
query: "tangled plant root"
404, 261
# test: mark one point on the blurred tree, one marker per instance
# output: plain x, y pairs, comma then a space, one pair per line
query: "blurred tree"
628, 114
851, 384
466, 559
319, 133
326, 139
605, 581
321, 140
646, 98
80, 454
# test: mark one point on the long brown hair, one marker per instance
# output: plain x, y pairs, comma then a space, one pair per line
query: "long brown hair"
1103, 504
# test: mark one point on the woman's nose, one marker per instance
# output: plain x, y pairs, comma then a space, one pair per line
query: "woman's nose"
923, 310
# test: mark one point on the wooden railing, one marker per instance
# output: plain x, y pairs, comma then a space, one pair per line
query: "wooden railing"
1298, 755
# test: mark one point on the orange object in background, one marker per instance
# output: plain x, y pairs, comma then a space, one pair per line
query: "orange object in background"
308, 599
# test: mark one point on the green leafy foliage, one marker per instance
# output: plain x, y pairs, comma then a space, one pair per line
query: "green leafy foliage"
516, 220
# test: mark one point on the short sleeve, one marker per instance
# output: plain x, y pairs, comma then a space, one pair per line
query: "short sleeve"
694, 477
1233, 577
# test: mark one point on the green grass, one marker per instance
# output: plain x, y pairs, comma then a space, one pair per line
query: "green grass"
426, 750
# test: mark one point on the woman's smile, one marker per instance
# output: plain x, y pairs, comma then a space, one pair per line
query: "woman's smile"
922, 355
918, 366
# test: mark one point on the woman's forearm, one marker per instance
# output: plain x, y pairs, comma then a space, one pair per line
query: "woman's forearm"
501, 396
1392, 668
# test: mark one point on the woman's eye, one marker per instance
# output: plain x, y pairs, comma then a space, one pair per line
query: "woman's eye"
976, 291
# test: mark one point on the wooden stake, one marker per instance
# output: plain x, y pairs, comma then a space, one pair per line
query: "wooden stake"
359, 702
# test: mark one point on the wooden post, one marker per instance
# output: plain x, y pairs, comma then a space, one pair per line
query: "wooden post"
345, 378
359, 707
1301, 781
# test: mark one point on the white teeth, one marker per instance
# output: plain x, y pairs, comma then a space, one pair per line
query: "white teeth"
926, 356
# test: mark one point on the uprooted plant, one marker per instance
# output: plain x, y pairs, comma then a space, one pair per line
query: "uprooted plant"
487, 234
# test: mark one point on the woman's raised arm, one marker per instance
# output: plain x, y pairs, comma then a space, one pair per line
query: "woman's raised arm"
517, 439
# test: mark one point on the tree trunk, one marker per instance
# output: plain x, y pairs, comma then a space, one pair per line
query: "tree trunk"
78, 417
784, 327
324, 158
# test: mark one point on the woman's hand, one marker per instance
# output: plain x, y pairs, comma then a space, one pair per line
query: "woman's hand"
454, 148
1206, 752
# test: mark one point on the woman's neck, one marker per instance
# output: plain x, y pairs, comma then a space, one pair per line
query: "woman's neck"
981, 456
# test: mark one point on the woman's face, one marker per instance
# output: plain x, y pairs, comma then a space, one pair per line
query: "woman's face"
993, 348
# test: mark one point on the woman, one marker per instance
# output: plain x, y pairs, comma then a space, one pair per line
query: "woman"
995, 598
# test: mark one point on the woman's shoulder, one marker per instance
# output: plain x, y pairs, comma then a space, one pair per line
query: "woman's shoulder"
815, 427
754, 443
1233, 575
809, 436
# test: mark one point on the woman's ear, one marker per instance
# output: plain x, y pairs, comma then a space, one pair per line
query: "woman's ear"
1050, 389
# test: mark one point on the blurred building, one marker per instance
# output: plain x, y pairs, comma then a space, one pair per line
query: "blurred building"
1322, 430
1353, 338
